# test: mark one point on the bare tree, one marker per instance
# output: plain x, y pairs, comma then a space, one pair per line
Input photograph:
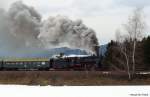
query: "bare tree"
122, 47
133, 32
135, 29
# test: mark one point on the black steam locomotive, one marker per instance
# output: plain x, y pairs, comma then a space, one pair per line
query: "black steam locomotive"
61, 63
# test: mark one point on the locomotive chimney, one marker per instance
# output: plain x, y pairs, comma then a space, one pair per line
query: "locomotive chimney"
97, 50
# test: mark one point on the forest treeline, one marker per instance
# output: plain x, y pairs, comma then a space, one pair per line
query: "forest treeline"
114, 59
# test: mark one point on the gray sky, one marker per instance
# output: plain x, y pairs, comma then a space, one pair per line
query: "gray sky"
104, 16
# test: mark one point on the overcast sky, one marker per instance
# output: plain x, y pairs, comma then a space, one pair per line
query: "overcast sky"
104, 16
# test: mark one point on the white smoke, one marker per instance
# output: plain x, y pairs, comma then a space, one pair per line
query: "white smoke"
21, 27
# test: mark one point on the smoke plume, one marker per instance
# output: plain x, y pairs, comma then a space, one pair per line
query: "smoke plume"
19, 26
22, 27
61, 31
25, 23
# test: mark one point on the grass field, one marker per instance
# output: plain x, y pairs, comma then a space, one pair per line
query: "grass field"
71, 78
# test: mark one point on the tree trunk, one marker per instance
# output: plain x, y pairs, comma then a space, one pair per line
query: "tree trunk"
127, 63
128, 68
133, 57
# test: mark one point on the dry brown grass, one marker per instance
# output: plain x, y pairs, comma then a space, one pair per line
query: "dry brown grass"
59, 78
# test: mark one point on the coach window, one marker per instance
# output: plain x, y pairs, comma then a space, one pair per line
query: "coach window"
25, 63
43, 63
29, 62
34, 63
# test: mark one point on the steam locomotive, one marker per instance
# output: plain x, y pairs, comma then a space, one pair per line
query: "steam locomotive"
91, 62
65, 63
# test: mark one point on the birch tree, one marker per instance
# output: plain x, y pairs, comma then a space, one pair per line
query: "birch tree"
123, 49
135, 29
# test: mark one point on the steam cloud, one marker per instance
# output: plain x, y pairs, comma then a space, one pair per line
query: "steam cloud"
21, 27
61, 31
25, 23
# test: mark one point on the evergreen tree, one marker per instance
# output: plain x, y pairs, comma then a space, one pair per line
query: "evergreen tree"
147, 52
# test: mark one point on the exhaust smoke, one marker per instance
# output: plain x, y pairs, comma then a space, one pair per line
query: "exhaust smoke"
21, 27
61, 31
